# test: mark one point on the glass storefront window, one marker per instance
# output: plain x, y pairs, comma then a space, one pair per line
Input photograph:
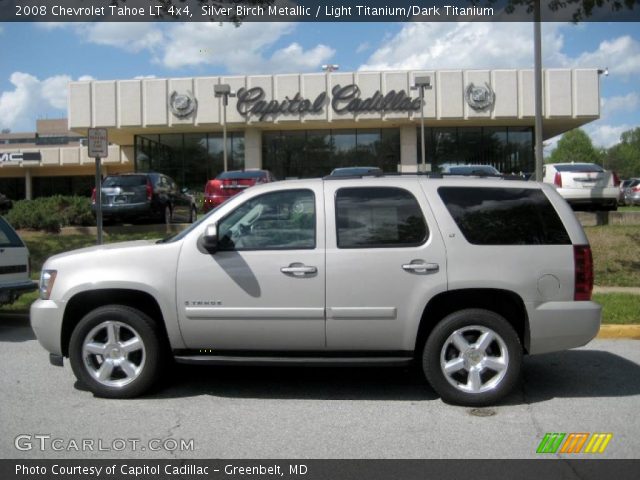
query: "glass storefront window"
191, 159
509, 149
315, 153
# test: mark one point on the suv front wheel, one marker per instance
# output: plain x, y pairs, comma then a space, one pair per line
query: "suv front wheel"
472, 357
116, 351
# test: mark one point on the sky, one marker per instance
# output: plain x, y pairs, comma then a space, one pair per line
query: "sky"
43, 57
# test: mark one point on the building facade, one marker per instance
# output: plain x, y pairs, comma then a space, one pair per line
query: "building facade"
304, 125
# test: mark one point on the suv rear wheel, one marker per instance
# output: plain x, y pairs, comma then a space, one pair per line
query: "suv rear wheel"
472, 358
116, 351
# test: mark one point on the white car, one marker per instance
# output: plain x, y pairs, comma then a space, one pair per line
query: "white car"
584, 184
14, 265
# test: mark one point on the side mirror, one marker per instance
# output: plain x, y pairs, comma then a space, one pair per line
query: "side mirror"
184, 190
210, 238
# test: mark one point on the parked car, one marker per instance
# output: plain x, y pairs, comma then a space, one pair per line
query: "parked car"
138, 196
475, 170
14, 265
632, 192
585, 185
228, 184
355, 171
623, 185
368, 271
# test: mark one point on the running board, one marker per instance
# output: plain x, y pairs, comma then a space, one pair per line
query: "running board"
293, 361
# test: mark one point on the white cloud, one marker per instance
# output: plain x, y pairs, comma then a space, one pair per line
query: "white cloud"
363, 47
239, 49
625, 103
606, 135
466, 45
31, 98
621, 55
244, 49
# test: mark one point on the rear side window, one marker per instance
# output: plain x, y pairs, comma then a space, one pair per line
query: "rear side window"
504, 216
377, 217
8, 236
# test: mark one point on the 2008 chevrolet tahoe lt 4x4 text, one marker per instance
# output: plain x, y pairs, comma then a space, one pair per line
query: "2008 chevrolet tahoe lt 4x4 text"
463, 275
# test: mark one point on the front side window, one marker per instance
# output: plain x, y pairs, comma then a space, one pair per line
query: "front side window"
378, 217
284, 220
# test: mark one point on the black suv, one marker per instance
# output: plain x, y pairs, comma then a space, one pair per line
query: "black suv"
135, 196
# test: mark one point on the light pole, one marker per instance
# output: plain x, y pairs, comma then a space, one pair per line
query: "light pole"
223, 91
537, 73
330, 67
422, 83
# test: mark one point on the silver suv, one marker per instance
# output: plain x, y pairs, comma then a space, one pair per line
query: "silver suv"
462, 275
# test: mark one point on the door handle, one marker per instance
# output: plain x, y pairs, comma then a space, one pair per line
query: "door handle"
421, 267
299, 270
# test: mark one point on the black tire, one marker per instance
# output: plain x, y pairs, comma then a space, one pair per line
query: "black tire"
457, 387
148, 361
193, 214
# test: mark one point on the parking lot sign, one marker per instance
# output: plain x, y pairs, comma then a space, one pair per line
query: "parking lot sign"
98, 144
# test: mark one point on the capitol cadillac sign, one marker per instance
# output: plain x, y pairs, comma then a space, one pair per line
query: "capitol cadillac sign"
252, 102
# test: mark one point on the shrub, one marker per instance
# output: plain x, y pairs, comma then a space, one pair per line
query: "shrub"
51, 213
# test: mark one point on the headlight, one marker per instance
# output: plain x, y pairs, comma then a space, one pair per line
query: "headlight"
47, 278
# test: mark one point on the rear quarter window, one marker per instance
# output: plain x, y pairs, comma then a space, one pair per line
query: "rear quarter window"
504, 216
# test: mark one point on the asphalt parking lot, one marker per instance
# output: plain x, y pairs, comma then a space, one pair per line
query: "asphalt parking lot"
244, 412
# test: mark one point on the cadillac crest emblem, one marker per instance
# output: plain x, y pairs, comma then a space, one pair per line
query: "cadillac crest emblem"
182, 105
480, 97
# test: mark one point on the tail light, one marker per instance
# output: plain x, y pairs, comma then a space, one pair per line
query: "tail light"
93, 195
557, 180
636, 188
149, 191
616, 179
583, 272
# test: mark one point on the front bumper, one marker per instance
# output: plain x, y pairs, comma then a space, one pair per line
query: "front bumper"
555, 326
46, 321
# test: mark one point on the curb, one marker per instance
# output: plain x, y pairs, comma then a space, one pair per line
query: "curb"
631, 332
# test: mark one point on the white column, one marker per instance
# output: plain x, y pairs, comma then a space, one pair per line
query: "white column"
252, 148
28, 184
409, 149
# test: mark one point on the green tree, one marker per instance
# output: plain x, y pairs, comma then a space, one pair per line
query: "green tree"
575, 146
624, 158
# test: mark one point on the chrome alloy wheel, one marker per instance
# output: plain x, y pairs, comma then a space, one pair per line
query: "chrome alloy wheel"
113, 354
474, 359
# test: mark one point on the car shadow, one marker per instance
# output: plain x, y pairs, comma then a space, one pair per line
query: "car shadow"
569, 374
577, 374
305, 383
15, 327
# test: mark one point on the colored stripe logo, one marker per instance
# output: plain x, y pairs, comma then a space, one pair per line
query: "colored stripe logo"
574, 443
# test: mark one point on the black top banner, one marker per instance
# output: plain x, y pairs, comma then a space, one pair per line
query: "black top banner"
238, 11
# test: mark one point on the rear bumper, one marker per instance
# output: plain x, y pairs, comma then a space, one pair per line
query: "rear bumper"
602, 196
555, 326
10, 291
131, 210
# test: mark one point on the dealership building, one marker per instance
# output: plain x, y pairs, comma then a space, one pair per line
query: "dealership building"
304, 125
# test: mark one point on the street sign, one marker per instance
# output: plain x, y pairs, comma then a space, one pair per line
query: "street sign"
98, 143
